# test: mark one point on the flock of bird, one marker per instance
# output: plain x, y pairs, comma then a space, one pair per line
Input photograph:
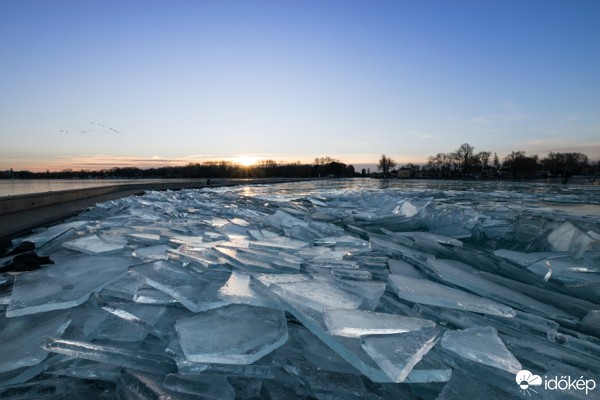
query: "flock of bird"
103, 129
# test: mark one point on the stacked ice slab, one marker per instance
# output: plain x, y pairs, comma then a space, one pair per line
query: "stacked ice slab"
320, 290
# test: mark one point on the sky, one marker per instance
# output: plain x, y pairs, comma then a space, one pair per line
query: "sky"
95, 84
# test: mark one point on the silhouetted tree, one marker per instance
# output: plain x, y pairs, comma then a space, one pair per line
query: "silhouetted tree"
565, 164
484, 159
521, 165
386, 164
464, 155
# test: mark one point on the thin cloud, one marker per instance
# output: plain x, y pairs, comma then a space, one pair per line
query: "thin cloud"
493, 118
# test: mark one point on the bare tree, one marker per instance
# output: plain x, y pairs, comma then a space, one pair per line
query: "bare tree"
464, 153
484, 159
386, 164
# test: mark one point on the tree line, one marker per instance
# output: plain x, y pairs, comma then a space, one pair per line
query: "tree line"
466, 162
322, 167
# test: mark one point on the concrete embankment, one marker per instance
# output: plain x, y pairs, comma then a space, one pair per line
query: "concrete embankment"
19, 214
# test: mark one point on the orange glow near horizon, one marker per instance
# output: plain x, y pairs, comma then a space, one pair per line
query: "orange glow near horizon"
246, 161
107, 162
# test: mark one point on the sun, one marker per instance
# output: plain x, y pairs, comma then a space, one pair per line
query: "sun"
246, 161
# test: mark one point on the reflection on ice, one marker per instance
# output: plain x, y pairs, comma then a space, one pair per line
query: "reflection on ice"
325, 289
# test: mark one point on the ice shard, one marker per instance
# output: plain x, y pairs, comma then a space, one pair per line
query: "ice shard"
182, 284
427, 292
357, 323
317, 295
397, 354
482, 345
399, 267
205, 386
97, 244
114, 355
234, 334
22, 339
240, 288
462, 275
64, 286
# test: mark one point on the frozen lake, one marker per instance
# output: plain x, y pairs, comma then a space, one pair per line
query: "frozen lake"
324, 289
13, 187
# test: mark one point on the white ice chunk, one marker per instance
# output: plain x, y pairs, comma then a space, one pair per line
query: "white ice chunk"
482, 345
356, 323
64, 285
234, 334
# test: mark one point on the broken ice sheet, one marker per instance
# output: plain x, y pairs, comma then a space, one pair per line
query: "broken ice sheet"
131, 322
64, 285
369, 291
568, 237
281, 220
591, 322
234, 334
148, 295
181, 283
97, 244
427, 292
124, 288
317, 295
206, 386
22, 339
42, 237
280, 259
399, 267
344, 240
241, 289
351, 350
461, 274
279, 243
356, 323
482, 345
269, 279
245, 261
151, 253
137, 385
566, 270
397, 354
145, 238
114, 355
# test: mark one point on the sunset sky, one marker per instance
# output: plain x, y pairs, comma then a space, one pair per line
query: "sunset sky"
95, 84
